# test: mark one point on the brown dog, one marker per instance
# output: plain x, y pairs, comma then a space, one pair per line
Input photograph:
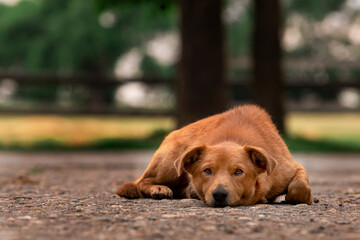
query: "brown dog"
233, 158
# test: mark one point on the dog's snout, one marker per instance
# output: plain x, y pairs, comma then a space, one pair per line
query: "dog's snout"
220, 194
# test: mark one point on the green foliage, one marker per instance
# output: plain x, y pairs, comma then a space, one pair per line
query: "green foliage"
239, 35
314, 9
150, 67
156, 5
65, 35
105, 4
44, 94
17, 26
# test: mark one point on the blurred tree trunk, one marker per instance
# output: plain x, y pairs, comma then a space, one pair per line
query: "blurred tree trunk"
201, 81
266, 53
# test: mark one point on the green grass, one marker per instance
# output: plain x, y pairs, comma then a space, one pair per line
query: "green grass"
307, 133
346, 145
151, 142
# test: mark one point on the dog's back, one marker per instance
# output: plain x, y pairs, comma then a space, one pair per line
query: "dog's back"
245, 125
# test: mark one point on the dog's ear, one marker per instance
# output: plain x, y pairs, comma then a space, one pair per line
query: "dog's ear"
188, 159
261, 159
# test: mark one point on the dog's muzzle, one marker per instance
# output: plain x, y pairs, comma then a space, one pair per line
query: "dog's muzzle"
220, 195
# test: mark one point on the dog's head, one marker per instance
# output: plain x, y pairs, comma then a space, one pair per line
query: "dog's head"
225, 175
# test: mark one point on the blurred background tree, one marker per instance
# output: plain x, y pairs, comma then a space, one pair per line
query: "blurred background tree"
66, 36
141, 40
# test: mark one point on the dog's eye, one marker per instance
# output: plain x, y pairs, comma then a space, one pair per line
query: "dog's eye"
207, 171
238, 172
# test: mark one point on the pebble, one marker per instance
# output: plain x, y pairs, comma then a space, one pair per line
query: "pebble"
251, 224
257, 229
343, 222
169, 216
208, 228
156, 235
317, 230
24, 217
301, 205
53, 216
244, 218
333, 210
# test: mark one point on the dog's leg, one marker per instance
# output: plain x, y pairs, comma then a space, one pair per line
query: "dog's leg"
160, 178
299, 190
129, 190
155, 191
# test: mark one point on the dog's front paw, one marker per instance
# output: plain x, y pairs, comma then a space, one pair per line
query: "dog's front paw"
160, 192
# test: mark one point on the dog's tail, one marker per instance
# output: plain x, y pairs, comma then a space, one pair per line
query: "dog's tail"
129, 190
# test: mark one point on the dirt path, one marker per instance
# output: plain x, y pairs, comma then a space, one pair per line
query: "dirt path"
70, 196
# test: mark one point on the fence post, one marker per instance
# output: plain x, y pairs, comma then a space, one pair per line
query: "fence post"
268, 82
201, 81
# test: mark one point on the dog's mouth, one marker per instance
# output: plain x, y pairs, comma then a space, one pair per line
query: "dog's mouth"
220, 205
217, 204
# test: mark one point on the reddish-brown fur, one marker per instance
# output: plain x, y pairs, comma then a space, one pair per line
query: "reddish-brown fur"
242, 140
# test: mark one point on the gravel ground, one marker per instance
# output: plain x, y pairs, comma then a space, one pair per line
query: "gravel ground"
71, 196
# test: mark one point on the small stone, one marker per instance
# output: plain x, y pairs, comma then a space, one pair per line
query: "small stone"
261, 206
333, 210
103, 219
53, 216
301, 205
316, 200
24, 217
188, 200
169, 216
229, 231
350, 191
257, 229
343, 222
250, 224
317, 230
208, 228
244, 218
156, 235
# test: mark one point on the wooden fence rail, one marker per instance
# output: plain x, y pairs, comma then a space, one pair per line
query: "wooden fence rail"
97, 83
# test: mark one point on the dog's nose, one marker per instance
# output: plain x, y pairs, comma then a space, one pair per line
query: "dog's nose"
220, 194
